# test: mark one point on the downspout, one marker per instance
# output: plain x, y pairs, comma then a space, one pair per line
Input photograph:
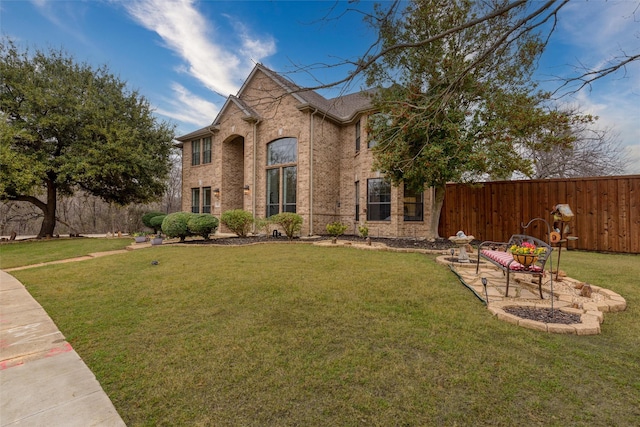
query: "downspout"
311, 139
253, 179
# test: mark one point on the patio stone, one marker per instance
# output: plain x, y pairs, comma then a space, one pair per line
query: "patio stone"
523, 293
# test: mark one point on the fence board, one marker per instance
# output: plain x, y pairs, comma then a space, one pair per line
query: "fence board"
606, 210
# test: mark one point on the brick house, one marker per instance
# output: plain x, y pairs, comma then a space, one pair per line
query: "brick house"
274, 148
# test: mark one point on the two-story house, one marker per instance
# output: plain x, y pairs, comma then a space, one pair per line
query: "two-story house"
276, 148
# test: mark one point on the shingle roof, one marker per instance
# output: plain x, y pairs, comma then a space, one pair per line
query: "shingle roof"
342, 108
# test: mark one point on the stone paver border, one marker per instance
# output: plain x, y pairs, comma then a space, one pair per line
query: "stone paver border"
591, 310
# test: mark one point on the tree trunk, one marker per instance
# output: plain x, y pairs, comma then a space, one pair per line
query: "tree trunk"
49, 210
436, 208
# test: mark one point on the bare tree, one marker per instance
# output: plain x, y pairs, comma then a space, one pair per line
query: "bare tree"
594, 152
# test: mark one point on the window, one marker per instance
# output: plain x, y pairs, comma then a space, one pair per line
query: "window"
282, 151
206, 150
206, 200
282, 176
378, 200
357, 136
195, 200
273, 191
413, 205
357, 200
289, 184
195, 152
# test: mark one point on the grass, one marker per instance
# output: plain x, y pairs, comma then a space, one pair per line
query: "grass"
17, 254
293, 334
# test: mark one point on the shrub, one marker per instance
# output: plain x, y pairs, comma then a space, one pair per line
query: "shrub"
175, 225
146, 220
364, 230
156, 223
238, 221
336, 228
265, 224
290, 222
202, 225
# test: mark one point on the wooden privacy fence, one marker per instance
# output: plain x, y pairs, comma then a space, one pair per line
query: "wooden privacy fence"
606, 210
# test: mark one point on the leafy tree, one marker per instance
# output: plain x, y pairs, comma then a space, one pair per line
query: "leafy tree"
67, 126
454, 109
527, 17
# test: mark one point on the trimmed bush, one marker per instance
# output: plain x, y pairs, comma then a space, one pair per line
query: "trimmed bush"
146, 220
156, 223
175, 225
202, 225
238, 221
336, 229
265, 224
290, 222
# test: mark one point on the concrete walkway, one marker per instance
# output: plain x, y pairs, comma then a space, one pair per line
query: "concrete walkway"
43, 381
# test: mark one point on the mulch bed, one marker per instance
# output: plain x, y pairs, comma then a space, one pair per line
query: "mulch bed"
544, 315
438, 244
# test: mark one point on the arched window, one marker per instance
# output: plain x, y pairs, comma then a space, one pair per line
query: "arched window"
282, 175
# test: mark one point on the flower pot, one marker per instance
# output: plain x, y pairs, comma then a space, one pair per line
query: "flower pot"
140, 239
525, 259
156, 241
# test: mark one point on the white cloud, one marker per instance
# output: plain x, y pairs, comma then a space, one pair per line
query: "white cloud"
65, 17
252, 47
186, 107
598, 33
210, 58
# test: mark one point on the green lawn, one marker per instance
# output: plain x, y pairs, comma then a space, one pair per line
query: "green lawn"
16, 254
292, 334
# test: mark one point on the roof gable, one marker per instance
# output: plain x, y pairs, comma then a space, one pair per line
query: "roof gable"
342, 109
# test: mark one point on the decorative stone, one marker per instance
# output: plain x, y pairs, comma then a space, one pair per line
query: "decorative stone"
588, 329
461, 240
533, 324
558, 328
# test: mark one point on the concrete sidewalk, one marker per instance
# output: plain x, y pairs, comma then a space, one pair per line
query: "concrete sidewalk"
43, 381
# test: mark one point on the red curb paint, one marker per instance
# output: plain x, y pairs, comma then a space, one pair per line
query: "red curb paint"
59, 350
6, 365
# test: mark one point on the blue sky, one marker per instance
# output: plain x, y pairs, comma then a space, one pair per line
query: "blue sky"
186, 56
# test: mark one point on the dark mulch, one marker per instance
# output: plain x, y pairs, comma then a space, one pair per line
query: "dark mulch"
438, 244
544, 315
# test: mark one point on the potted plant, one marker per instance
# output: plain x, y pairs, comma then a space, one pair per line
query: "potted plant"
156, 240
140, 237
526, 253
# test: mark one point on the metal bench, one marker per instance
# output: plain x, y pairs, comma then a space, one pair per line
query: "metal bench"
497, 253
